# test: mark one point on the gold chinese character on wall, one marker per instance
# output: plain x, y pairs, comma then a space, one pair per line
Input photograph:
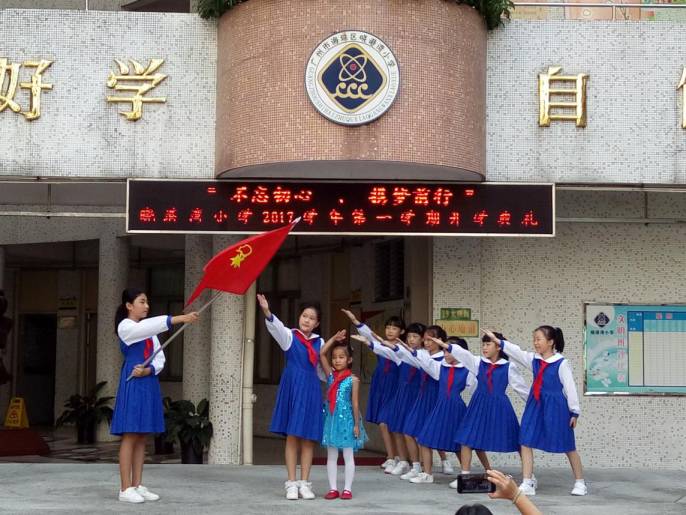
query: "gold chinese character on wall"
9, 79
546, 90
139, 83
681, 85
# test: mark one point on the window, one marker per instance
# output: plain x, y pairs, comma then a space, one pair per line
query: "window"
389, 270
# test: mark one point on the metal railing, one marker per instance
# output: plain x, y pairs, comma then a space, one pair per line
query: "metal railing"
615, 8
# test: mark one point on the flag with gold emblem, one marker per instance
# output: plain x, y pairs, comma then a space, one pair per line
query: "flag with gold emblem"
234, 269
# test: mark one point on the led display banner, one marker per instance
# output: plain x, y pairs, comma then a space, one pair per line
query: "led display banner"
354, 208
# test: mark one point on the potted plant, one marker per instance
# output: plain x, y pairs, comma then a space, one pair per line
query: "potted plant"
191, 426
162, 445
86, 411
492, 11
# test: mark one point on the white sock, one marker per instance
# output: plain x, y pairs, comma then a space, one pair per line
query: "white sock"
332, 466
397, 459
465, 472
416, 466
580, 482
349, 457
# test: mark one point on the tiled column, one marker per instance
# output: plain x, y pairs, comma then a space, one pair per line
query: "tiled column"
113, 270
226, 371
197, 338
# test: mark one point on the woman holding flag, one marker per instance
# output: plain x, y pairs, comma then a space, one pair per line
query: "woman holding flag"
138, 407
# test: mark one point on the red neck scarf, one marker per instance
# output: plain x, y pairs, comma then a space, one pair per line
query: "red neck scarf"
451, 378
147, 351
538, 382
410, 374
425, 376
387, 366
332, 393
312, 354
489, 375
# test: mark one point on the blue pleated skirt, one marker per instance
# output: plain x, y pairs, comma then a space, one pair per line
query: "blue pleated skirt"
138, 405
545, 424
423, 406
402, 404
442, 424
381, 392
298, 408
490, 424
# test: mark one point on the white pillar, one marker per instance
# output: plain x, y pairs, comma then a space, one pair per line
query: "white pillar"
113, 270
197, 338
226, 371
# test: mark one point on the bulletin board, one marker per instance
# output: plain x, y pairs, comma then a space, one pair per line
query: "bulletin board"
635, 349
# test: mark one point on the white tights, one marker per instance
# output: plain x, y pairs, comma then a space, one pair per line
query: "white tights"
332, 466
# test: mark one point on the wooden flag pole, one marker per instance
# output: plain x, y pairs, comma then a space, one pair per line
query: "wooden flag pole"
178, 332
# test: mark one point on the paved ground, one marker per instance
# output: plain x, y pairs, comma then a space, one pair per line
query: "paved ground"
206, 489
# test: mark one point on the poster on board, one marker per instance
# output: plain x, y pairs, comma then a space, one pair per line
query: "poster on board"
634, 349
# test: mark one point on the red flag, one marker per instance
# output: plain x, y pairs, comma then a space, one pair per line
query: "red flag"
234, 269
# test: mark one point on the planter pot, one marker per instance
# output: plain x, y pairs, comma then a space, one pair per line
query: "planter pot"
189, 456
162, 446
85, 432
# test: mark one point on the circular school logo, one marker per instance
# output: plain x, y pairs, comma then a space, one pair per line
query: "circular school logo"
352, 77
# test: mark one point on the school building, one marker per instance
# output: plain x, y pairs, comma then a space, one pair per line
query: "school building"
531, 174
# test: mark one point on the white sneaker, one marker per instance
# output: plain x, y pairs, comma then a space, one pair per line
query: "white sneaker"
527, 489
400, 468
387, 463
305, 490
579, 489
423, 477
130, 495
389, 468
453, 485
146, 494
291, 490
448, 468
409, 475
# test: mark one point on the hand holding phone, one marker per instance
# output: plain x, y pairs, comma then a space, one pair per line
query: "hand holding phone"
474, 484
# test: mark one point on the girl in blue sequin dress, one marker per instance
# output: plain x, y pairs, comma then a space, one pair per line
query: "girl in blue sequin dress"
343, 427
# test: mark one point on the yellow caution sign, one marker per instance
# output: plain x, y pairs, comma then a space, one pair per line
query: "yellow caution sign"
16, 414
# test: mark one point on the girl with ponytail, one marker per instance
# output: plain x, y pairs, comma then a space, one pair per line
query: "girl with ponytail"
552, 408
138, 406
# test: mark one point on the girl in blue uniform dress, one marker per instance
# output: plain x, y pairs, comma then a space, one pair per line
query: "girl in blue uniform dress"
383, 385
552, 408
424, 404
298, 409
342, 426
438, 431
138, 407
405, 396
490, 423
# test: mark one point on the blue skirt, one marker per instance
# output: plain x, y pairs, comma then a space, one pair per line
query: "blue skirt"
490, 424
422, 408
138, 406
545, 424
442, 424
298, 408
402, 404
381, 393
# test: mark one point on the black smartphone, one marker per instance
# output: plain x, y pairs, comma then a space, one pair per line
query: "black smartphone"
474, 484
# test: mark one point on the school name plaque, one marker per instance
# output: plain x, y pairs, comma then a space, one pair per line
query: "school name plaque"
346, 208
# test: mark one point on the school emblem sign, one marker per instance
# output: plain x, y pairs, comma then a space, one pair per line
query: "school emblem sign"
352, 77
